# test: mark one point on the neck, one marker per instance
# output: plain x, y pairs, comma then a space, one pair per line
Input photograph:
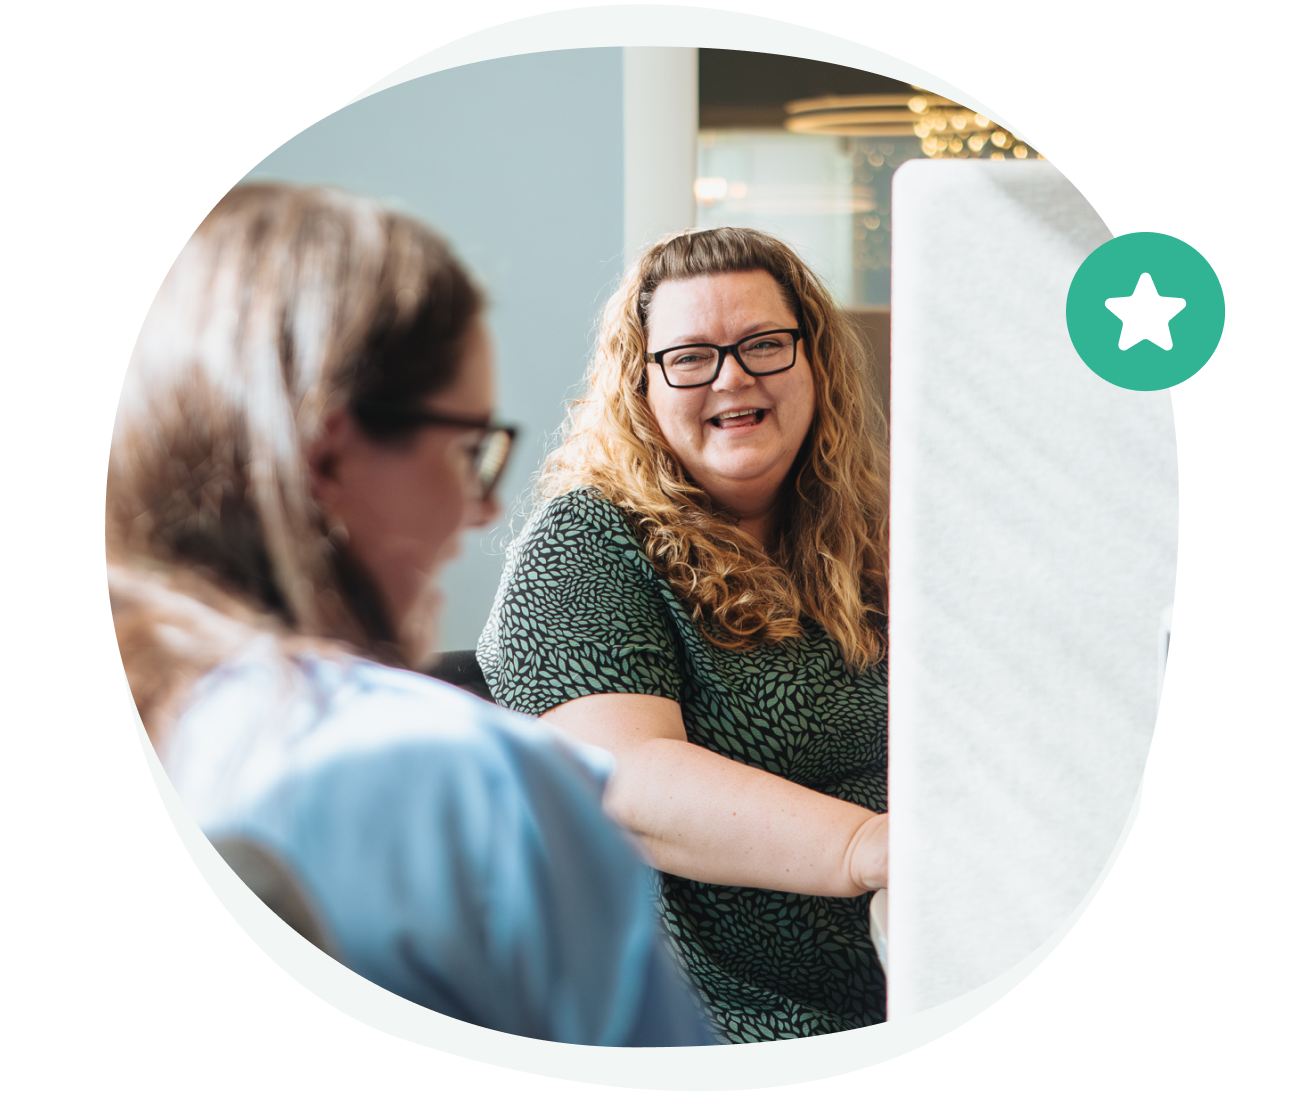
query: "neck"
755, 507
760, 524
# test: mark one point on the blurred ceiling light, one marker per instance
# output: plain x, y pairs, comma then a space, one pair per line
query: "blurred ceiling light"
902, 115
710, 189
880, 115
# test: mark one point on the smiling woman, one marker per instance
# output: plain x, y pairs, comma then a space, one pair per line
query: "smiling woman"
703, 593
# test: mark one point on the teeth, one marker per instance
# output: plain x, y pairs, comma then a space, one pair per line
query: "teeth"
736, 414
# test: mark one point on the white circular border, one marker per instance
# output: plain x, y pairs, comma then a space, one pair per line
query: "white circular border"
1080, 98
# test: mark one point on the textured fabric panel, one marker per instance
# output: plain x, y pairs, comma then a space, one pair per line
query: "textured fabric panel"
1034, 517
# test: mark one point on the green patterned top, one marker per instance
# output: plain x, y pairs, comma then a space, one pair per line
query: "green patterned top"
581, 610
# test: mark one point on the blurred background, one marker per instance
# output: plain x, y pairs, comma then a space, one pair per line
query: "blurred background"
542, 181
808, 151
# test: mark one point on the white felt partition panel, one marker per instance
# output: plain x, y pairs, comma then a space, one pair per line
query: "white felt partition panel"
1034, 517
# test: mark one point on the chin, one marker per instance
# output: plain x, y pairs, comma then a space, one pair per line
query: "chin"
419, 637
743, 472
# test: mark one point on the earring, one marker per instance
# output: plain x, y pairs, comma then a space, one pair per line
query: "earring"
338, 535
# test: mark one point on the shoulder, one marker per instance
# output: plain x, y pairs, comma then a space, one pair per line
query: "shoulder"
418, 711
457, 852
262, 729
580, 609
577, 537
583, 510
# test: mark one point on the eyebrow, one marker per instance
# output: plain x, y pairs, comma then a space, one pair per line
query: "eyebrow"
752, 329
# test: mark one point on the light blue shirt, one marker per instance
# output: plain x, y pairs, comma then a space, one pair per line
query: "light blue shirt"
455, 852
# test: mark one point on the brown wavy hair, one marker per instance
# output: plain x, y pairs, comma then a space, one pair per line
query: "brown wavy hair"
830, 557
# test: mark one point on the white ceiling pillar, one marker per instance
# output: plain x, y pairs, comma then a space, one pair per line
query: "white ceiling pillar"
660, 123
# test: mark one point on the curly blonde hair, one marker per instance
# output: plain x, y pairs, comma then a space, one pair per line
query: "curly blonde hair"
830, 557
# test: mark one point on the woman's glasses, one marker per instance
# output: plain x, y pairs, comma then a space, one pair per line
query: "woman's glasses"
489, 456
696, 364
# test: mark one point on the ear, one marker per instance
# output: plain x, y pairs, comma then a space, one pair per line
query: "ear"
337, 438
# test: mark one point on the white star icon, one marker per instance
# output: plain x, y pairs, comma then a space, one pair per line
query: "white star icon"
1146, 315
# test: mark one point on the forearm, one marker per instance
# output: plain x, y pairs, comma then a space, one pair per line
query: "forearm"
708, 818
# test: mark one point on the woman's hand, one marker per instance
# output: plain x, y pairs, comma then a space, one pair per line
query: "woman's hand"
705, 817
868, 854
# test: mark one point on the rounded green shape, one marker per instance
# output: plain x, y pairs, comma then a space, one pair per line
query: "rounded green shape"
1139, 274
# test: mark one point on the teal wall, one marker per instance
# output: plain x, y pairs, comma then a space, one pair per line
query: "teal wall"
519, 161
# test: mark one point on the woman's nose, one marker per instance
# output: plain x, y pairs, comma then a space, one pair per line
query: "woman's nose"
731, 375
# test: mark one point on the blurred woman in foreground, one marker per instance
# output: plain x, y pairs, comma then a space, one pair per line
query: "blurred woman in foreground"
304, 431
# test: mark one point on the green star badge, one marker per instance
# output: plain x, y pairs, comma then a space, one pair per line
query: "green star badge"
1190, 311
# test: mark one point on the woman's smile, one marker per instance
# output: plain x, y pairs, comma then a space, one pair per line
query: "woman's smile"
740, 419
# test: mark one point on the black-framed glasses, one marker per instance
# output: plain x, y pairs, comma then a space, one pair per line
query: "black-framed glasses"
693, 365
490, 454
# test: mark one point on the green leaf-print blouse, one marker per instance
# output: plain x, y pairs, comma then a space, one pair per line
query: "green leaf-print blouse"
581, 610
